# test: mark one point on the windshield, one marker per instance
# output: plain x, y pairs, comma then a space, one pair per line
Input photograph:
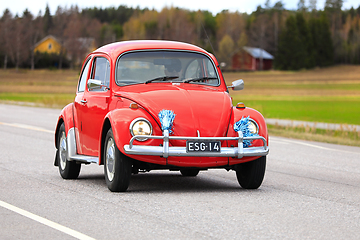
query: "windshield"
157, 66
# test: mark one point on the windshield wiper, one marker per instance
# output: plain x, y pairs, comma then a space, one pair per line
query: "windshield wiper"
161, 79
199, 79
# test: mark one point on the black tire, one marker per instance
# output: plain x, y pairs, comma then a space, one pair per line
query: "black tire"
251, 174
117, 166
189, 172
67, 169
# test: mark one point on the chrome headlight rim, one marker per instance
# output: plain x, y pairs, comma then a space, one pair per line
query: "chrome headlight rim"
252, 121
138, 120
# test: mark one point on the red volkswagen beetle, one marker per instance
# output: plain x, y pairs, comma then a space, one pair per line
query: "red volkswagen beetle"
146, 105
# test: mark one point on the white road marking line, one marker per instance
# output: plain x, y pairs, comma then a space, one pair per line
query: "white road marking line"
24, 126
46, 222
308, 144
311, 145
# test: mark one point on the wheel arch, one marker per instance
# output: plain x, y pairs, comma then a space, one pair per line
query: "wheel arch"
59, 123
105, 129
66, 117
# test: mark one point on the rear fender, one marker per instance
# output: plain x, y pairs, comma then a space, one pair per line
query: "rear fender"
67, 117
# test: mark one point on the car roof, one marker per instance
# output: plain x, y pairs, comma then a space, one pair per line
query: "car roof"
117, 48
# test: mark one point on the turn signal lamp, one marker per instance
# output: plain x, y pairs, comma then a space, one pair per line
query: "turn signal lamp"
134, 105
240, 105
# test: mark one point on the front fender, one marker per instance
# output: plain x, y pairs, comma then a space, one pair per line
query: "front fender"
120, 120
239, 113
252, 113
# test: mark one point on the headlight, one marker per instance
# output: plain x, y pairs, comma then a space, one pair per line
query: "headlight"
253, 126
140, 126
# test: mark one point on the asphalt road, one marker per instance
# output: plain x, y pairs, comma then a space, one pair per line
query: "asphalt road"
310, 191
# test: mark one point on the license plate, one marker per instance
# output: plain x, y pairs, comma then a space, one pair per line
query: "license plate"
203, 146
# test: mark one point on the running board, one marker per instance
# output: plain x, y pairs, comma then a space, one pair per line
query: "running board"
72, 152
84, 159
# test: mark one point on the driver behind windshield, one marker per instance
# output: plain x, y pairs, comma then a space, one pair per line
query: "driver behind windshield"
173, 68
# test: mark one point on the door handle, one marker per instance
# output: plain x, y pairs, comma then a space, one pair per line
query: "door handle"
83, 101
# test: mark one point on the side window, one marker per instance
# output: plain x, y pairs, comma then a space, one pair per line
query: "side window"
101, 71
210, 69
83, 77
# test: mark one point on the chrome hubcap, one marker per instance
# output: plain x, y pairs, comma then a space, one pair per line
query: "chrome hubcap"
63, 151
110, 159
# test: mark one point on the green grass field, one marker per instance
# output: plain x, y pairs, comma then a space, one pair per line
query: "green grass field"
329, 95
311, 108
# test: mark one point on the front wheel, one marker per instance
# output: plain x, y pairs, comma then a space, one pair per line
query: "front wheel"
67, 169
251, 174
117, 166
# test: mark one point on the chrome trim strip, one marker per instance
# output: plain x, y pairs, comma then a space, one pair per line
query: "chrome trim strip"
166, 151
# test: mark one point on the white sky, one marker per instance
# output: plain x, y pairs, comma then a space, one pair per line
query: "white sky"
214, 6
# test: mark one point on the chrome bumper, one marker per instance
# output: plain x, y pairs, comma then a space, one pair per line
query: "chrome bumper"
166, 151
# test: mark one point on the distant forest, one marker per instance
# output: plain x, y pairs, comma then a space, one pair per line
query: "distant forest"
301, 39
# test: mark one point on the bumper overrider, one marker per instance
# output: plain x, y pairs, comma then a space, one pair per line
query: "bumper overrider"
165, 150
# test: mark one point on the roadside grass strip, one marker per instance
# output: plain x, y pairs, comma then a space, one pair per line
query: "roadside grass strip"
311, 133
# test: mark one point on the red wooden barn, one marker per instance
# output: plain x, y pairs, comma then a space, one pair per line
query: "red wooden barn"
252, 59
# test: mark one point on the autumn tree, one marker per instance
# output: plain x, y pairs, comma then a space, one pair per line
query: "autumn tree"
60, 24
301, 6
33, 27
92, 29
6, 35
78, 36
19, 48
205, 29
226, 51
175, 24
240, 44
72, 33
228, 23
312, 5
333, 11
261, 34
302, 38
134, 29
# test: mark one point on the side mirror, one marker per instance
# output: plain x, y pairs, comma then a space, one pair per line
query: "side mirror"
93, 84
237, 85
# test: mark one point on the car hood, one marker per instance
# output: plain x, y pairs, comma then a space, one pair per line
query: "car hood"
199, 109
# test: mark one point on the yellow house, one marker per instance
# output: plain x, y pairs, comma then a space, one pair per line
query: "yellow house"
49, 44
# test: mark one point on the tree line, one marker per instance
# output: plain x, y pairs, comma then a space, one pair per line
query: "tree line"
302, 38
